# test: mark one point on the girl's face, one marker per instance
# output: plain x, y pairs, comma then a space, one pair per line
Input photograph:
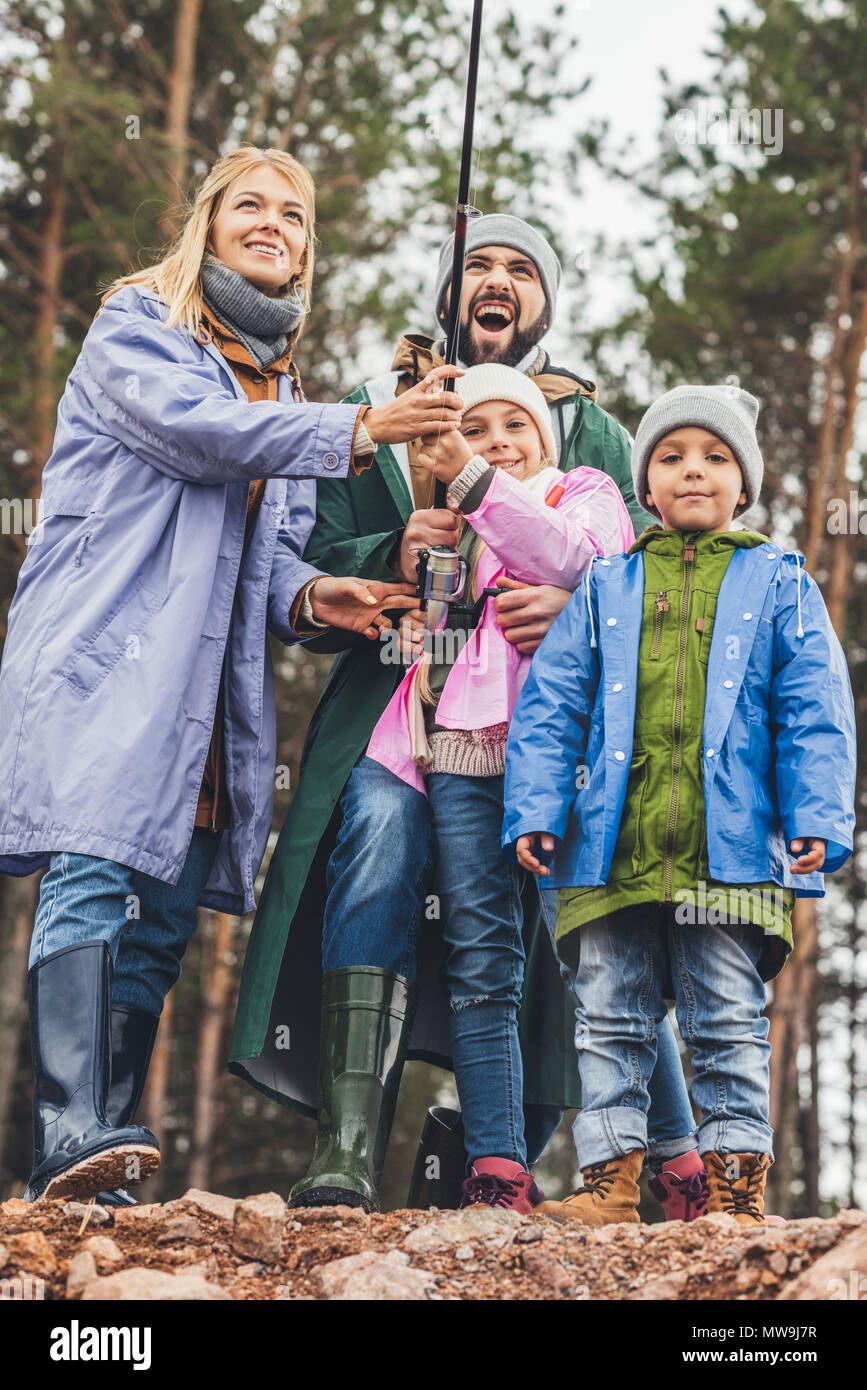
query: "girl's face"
505, 435
694, 481
261, 228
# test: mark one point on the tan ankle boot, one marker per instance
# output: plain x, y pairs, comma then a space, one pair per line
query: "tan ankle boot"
610, 1193
736, 1185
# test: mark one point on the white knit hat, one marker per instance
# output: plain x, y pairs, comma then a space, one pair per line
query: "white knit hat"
491, 381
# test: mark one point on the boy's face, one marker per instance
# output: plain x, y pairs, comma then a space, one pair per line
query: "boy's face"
694, 481
505, 435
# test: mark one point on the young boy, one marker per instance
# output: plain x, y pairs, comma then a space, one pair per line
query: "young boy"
686, 729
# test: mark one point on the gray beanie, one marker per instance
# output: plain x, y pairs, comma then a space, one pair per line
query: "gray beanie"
501, 229
728, 411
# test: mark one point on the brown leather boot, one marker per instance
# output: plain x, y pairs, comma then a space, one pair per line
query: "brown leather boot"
736, 1185
610, 1193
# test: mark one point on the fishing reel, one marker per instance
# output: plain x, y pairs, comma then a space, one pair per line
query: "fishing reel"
442, 579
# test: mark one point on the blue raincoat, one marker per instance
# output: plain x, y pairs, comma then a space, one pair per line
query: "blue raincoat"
779, 726
135, 584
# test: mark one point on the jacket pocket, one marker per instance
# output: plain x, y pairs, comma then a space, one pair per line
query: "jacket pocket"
117, 637
630, 860
704, 627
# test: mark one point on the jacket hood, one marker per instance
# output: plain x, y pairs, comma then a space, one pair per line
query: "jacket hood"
416, 354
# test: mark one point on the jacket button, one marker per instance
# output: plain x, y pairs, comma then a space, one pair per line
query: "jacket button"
330, 460
612, 622
770, 554
258, 377
710, 752
605, 562
748, 616
620, 755
728, 684
618, 685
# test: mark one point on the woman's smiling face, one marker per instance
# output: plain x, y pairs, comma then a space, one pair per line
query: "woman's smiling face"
261, 228
505, 435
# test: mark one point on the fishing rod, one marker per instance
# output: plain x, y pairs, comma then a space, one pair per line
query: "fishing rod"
441, 571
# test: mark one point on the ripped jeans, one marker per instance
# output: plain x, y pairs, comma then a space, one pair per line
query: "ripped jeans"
394, 847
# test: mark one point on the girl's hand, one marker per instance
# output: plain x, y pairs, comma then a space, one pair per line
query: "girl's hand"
524, 847
811, 855
444, 455
424, 407
356, 604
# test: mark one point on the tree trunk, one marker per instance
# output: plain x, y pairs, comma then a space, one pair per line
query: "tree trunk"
180, 96
214, 999
153, 1106
788, 1014
816, 510
19, 899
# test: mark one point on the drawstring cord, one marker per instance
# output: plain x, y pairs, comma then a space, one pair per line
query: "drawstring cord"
800, 631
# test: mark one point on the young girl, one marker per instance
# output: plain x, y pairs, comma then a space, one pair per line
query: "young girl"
443, 734
699, 685
137, 720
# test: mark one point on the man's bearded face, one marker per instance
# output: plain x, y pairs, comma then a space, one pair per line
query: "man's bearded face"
503, 308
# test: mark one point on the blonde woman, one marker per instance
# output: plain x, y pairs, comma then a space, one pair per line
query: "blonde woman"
137, 720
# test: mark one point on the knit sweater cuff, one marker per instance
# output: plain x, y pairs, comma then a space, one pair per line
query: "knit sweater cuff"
470, 474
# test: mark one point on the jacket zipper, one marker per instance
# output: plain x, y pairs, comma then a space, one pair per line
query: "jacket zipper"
688, 560
662, 606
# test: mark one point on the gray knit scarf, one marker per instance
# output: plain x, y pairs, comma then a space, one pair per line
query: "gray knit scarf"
262, 323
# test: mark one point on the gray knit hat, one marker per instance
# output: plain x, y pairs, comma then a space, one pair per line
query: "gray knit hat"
501, 229
728, 411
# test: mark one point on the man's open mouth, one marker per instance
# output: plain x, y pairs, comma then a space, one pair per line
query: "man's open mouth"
493, 317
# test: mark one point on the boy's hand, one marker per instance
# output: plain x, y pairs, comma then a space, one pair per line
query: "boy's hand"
444, 455
524, 847
356, 604
811, 855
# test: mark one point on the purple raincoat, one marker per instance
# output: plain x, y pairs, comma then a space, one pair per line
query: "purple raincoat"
135, 583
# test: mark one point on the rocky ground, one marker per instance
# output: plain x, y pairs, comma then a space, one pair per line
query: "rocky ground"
205, 1246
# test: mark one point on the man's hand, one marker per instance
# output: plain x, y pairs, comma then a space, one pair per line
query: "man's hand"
356, 604
524, 848
425, 529
424, 409
811, 855
526, 611
444, 455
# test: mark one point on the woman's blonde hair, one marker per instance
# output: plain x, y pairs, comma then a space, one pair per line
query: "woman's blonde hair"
176, 278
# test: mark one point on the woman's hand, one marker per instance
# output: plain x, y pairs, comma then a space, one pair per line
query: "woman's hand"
524, 847
811, 855
356, 604
423, 409
411, 632
444, 455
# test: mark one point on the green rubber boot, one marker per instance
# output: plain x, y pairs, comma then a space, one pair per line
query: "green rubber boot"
366, 1021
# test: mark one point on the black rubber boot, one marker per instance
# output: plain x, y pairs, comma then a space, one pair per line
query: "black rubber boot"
133, 1033
366, 1021
76, 1150
441, 1162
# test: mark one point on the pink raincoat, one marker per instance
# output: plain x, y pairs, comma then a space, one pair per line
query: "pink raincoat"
529, 539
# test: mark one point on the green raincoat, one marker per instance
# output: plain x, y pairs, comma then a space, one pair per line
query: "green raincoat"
276, 1040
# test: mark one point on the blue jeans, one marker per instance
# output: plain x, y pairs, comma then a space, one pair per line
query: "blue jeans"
146, 922
719, 997
392, 847
670, 1121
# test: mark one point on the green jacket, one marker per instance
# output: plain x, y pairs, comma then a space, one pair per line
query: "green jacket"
661, 849
275, 1044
